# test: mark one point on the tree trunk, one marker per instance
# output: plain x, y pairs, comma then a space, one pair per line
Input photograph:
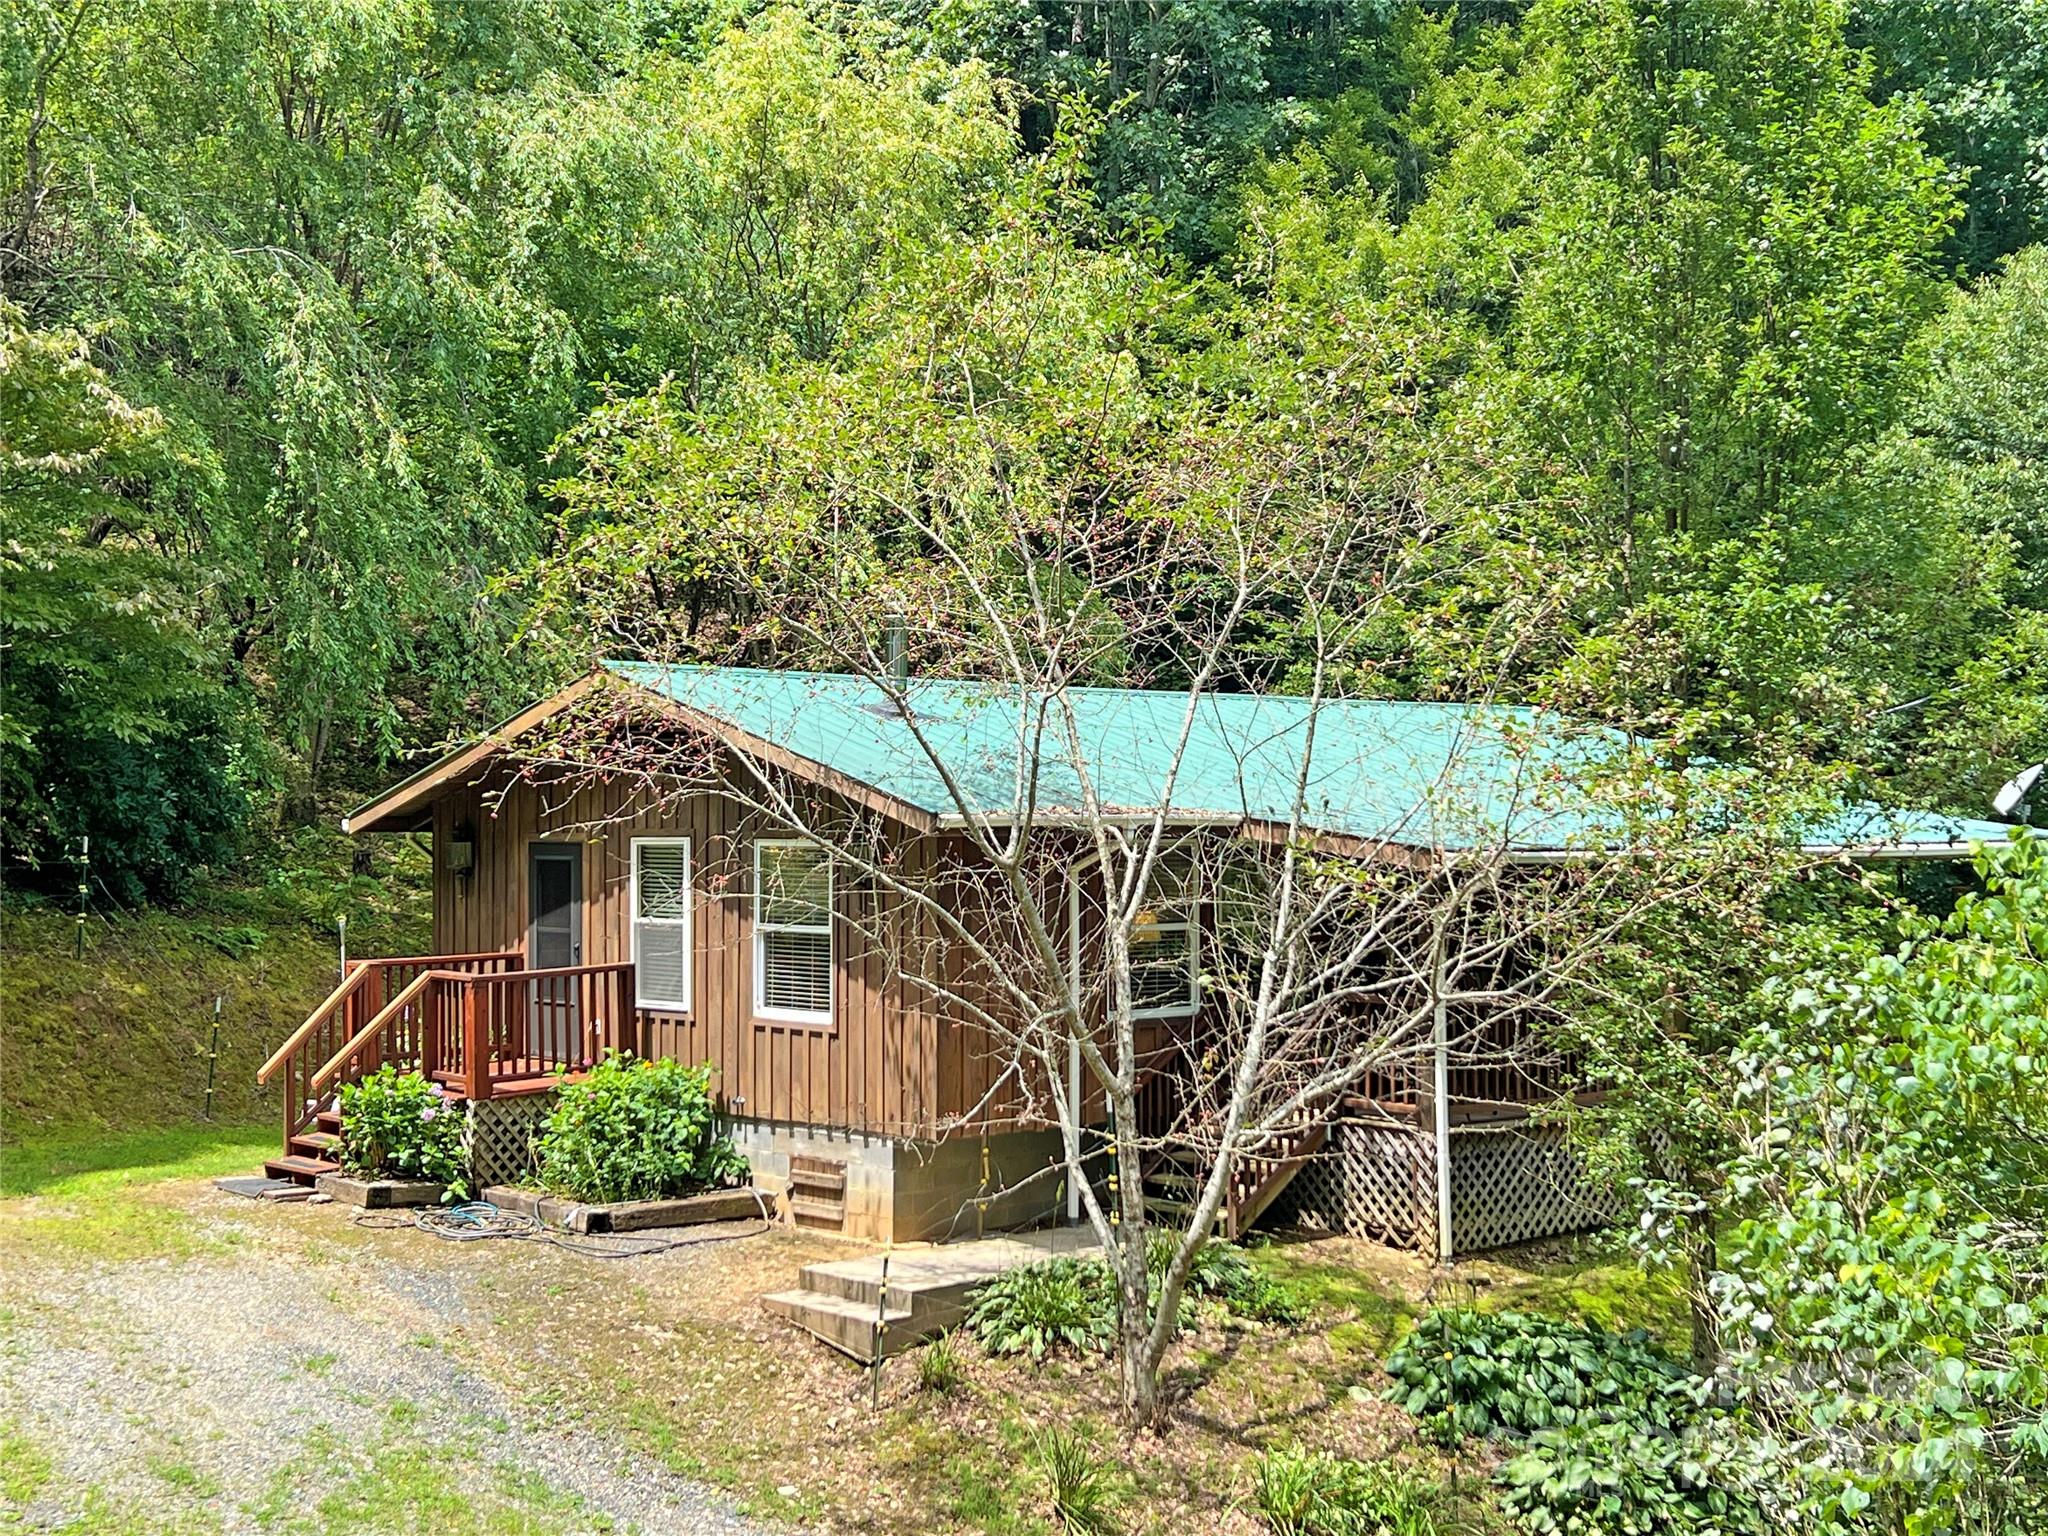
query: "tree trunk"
1696, 1235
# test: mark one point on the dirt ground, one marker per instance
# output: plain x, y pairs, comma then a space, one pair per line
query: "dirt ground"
173, 1358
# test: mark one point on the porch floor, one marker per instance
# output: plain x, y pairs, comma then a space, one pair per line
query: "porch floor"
882, 1303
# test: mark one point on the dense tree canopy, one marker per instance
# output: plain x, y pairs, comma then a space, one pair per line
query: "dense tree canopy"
1705, 336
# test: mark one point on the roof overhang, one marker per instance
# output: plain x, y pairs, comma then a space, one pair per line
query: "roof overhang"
408, 805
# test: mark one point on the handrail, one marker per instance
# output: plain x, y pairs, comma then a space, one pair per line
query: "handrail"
357, 976
363, 1036
444, 961
546, 975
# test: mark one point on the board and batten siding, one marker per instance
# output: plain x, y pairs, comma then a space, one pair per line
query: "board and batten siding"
875, 1069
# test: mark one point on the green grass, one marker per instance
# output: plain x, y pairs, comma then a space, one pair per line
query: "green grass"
119, 1036
1378, 1318
24, 1468
89, 1164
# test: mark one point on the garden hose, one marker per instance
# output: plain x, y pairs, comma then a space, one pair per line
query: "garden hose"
480, 1221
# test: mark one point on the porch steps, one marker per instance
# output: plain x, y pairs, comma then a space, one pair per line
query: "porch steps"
851, 1306
299, 1168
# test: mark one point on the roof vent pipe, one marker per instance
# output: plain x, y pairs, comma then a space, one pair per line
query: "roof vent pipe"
896, 650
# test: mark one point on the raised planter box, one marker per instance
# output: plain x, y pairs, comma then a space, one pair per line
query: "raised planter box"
625, 1215
378, 1194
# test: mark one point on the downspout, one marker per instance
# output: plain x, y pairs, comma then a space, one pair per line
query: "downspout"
1440, 1097
1074, 1040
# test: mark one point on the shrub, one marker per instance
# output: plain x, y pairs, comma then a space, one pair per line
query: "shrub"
635, 1130
1077, 1483
940, 1369
399, 1125
1510, 1374
1225, 1273
1614, 1480
1041, 1306
1308, 1493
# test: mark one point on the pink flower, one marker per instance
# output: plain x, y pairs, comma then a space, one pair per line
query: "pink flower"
430, 1111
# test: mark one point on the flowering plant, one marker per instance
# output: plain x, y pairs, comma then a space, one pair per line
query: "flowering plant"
401, 1125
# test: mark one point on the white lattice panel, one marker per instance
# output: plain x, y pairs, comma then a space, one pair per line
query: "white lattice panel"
499, 1138
1371, 1181
1516, 1184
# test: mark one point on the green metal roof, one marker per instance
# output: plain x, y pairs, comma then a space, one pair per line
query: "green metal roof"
1418, 774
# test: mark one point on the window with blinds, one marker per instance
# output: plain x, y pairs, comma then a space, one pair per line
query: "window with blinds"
792, 932
1165, 948
661, 922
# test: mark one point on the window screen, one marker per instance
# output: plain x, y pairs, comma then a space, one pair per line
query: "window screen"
792, 932
661, 922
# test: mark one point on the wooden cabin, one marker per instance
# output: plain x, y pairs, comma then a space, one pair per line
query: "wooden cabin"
582, 905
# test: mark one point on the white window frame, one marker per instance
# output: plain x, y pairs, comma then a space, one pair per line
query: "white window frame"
1192, 1003
687, 922
762, 1010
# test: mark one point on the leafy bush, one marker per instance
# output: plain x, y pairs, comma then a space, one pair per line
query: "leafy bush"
1225, 1273
1040, 1306
635, 1130
1510, 1374
940, 1369
1309, 1493
400, 1125
1077, 1483
1611, 1479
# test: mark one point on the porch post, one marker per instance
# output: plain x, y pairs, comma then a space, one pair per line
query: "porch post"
476, 1063
1440, 1095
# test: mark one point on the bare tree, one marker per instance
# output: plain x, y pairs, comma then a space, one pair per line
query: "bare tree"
1367, 888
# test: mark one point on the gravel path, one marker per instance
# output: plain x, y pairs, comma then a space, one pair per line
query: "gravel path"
236, 1391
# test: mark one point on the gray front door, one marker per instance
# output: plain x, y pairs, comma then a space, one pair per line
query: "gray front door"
554, 940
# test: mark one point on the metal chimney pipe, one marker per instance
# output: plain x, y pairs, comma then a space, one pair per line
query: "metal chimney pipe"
896, 649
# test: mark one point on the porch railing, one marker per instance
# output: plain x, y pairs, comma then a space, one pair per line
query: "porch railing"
365, 988
481, 1024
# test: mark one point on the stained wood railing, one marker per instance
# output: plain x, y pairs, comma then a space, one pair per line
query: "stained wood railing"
482, 1033
342, 1014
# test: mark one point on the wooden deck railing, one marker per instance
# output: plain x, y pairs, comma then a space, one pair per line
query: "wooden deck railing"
482, 1024
488, 1033
360, 997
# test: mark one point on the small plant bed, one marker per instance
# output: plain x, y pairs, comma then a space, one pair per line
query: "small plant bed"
379, 1194
1070, 1304
626, 1215
399, 1129
638, 1133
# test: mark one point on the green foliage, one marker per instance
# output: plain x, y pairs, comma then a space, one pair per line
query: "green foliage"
1078, 1482
1311, 1493
635, 1130
1890, 1255
940, 1369
1037, 1308
1225, 1274
1508, 1374
1614, 1479
401, 1125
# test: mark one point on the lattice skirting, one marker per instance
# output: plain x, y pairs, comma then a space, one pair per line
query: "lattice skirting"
1518, 1183
1376, 1181
499, 1134
1508, 1185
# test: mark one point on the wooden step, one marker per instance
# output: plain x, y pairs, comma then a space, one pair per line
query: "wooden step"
329, 1120
299, 1169
315, 1143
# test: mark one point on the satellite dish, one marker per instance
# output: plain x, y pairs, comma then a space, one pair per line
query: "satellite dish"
2013, 796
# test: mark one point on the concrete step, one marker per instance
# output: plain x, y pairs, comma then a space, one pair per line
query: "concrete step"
851, 1327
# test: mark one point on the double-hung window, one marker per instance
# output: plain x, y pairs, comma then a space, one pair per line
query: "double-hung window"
792, 932
662, 942
1166, 950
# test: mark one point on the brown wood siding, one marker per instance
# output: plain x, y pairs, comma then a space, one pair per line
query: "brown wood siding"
873, 1069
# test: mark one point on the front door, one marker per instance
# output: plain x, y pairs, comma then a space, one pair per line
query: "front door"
554, 941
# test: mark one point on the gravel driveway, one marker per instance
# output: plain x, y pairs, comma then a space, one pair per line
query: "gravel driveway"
297, 1373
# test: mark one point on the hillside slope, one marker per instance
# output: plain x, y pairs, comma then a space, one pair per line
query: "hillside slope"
118, 1038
